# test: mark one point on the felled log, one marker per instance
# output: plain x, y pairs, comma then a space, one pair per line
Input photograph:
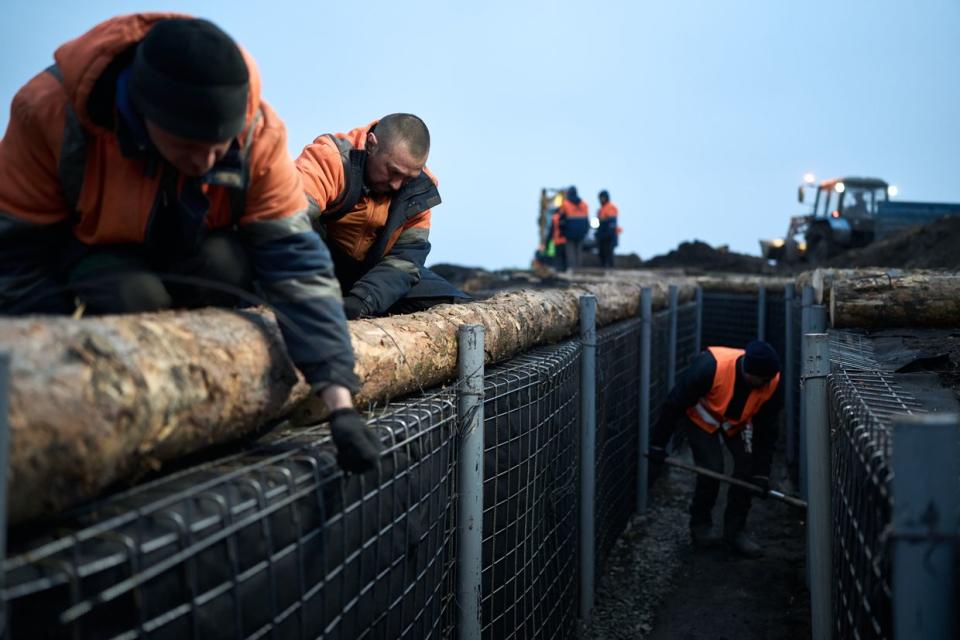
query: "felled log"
96, 400
743, 283
896, 299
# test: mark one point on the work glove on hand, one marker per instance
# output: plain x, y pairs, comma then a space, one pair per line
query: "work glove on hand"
353, 307
656, 456
762, 482
358, 447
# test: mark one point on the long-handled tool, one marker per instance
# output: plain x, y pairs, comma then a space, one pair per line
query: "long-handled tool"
769, 493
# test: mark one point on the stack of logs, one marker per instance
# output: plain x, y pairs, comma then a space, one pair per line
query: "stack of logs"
97, 400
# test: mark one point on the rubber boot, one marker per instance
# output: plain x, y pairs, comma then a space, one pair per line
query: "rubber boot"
702, 536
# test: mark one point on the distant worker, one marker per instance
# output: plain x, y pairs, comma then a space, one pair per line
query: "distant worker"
608, 230
574, 224
557, 241
731, 396
143, 171
370, 197
857, 208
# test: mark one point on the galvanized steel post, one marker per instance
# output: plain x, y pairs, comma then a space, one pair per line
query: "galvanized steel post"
698, 328
4, 466
789, 381
806, 301
926, 465
588, 463
816, 368
672, 344
646, 328
762, 313
470, 480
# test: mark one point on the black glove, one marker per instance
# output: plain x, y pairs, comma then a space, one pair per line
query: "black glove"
656, 456
353, 307
358, 447
762, 482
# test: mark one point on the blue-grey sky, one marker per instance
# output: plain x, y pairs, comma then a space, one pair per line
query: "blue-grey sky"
700, 117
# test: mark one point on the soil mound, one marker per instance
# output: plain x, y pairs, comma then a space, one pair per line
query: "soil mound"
700, 256
932, 246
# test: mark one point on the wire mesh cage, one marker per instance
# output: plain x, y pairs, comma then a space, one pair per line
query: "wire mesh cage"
531, 479
270, 542
863, 401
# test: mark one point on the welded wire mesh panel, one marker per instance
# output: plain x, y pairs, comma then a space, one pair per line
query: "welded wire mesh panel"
863, 401
659, 348
618, 403
531, 480
272, 542
686, 334
729, 319
776, 321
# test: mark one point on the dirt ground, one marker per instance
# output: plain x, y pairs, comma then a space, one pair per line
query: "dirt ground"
933, 246
700, 256
657, 586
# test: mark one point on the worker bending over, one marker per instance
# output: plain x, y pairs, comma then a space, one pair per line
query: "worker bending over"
370, 195
143, 166
729, 396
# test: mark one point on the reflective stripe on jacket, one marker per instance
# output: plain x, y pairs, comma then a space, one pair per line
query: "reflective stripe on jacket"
709, 412
66, 170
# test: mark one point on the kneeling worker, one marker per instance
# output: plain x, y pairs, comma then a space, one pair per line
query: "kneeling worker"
730, 396
370, 197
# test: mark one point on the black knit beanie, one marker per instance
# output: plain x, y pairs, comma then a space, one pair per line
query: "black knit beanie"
190, 79
761, 360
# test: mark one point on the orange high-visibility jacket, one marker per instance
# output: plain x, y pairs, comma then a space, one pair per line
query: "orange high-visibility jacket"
558, 238
61, 161
608, 222
321, 166
708, 413
576, 222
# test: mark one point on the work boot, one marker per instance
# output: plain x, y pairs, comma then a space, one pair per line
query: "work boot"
702, 536
741, 544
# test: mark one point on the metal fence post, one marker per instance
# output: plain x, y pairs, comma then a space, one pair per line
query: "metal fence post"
789, 382
470, 479
698, 327
588, 462
646, 330
4, 465
806, 301
816, 368
926, 465
762, 313
672, 344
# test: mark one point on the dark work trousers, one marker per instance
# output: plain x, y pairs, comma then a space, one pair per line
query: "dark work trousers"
605, 247
708, 453
560, 257
573, 253
126, 279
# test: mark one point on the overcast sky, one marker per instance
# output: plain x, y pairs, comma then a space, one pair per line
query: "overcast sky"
699, 117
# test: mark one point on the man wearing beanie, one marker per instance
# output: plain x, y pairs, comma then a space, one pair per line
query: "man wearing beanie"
730, 396
142, 171
371, 196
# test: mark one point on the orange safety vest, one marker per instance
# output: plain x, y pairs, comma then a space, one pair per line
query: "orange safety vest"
708, 413
558, 238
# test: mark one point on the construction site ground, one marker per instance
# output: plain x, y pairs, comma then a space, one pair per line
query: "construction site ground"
656, 585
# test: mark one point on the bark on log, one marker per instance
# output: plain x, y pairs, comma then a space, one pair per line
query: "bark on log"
896, 299
739, 283
99, 399
94, 400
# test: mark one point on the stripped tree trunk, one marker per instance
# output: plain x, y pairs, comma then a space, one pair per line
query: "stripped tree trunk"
96, 400
896, 299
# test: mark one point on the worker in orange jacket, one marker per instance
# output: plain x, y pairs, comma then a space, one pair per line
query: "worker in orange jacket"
574, 225
143, 171
608, 230
371, 197
731, 396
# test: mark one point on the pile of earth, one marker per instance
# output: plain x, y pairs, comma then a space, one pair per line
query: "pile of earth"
698, 256
932, 246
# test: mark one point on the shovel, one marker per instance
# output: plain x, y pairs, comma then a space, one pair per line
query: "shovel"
769, 493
